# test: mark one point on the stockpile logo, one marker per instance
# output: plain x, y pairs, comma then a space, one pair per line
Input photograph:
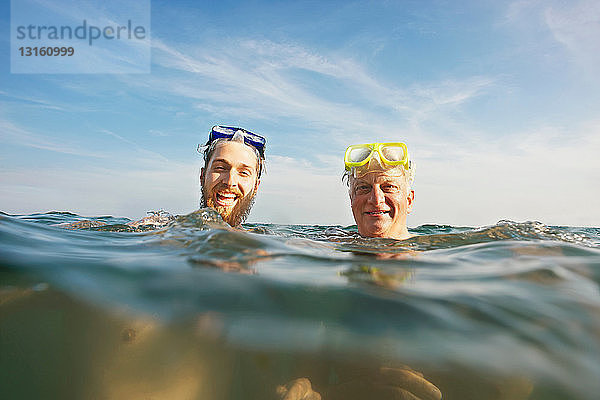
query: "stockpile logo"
75, 36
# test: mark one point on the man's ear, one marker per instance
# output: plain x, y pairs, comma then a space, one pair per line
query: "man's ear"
410, 200
257, 185
202, 170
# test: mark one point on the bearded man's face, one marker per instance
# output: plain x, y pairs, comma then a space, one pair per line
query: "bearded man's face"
230, 180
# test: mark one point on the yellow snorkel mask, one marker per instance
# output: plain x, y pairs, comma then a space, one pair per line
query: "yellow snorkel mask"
390, 154
363, 158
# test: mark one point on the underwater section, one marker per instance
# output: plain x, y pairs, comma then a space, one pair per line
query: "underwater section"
186, 307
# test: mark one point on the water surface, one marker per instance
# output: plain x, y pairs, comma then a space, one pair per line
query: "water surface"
199, 310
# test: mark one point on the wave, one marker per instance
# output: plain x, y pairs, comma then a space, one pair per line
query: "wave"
511, 297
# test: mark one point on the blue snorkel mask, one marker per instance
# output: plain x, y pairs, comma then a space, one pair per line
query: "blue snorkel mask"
220, 132
228, 132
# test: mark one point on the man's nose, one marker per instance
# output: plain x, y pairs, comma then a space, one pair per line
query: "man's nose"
230, 178
377, 195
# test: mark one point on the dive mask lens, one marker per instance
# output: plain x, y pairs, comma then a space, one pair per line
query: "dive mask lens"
220, 132
392, 153
359, 154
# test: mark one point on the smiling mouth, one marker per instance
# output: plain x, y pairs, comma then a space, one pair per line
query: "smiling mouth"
225, 199
377, 213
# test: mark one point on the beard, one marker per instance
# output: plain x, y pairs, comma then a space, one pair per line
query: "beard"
235, 215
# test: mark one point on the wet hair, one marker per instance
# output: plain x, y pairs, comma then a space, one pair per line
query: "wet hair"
408, 175
210, 149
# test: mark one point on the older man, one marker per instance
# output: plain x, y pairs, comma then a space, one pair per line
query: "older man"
379, 176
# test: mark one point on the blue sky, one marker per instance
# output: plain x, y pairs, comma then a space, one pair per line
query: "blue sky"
497, 101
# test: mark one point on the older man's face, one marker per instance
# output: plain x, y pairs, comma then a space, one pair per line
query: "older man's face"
380, 203
230, 180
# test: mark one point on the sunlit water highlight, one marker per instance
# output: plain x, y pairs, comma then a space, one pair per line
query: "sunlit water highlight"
199, 310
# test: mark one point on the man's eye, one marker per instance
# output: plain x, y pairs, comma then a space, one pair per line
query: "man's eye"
390, 188
362, 189
245, 173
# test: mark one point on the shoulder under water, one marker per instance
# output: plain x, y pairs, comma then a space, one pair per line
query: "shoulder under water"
506, 311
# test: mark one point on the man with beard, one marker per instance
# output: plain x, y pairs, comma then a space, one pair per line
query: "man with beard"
233, 163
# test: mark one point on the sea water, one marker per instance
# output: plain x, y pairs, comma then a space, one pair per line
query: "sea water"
198, 310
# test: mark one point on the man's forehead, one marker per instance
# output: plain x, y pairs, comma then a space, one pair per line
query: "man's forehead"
380, 176
234, 153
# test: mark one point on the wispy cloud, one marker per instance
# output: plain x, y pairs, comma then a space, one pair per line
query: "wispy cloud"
520, 8
32, 101
157, 132
135, 146
576, 25
14, 134
252, 75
